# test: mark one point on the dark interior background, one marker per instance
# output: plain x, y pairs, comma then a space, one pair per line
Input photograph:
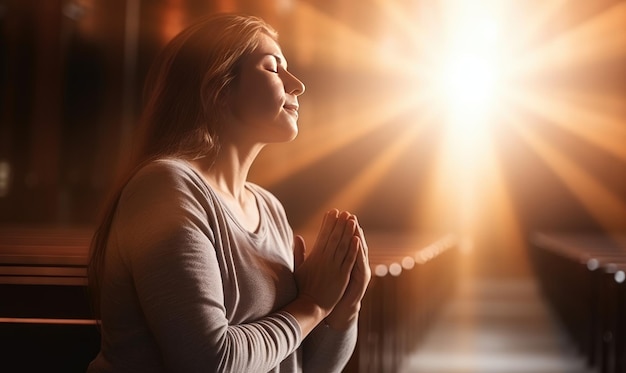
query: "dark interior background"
71, 74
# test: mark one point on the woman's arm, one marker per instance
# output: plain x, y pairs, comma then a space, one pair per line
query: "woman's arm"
176, 272
327, 349
167, 243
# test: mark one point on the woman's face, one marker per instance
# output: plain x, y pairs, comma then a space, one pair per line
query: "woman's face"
265, 97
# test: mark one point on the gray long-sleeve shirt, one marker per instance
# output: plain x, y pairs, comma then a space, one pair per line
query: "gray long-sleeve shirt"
188, 289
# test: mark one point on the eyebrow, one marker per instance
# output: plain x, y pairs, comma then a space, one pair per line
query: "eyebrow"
278, 58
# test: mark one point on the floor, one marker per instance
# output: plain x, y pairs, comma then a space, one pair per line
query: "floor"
496, 326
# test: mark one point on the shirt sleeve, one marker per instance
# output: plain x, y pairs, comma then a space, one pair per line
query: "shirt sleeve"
328, 350
164, 234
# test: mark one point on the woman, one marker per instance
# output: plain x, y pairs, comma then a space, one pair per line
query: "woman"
193, 267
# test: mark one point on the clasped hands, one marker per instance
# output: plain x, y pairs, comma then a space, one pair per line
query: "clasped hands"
336, 273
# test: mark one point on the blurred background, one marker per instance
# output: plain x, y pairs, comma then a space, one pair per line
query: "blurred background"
487, 119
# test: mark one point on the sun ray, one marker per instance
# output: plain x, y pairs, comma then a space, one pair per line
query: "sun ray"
354, 193
317, 144
334, 45
439, 209
530, 47
509, 232
453, 192
597, 127
607, 208
541, 19
398, 18
611, 103
466, 87
600, 38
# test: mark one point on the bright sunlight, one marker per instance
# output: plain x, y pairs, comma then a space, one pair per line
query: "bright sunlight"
467, 74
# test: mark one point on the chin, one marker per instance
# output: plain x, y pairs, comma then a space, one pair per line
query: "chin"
288, 137
288, 134
277, 136
294, 134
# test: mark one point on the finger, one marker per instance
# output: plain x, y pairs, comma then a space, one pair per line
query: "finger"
361, 235
336, 236
366, 248
345, 241
328, 225
360, 258
363, 264
350, 230
360, 275
350, 258
299, 251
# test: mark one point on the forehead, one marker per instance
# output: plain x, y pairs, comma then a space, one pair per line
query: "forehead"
268, 46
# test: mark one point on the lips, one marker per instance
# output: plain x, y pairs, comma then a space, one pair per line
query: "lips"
292, 108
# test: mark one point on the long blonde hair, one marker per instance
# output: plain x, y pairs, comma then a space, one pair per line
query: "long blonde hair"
186, 102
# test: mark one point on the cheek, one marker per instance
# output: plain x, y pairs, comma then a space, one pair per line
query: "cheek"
262, 99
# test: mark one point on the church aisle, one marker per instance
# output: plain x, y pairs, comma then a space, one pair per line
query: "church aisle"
496, 326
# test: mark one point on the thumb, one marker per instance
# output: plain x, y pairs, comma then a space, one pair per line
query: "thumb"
299, 250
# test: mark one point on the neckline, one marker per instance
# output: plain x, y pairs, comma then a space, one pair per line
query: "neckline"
254, 234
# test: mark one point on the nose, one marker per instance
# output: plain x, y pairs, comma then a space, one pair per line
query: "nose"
293, 85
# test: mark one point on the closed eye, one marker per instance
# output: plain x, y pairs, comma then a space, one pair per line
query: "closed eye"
275, 63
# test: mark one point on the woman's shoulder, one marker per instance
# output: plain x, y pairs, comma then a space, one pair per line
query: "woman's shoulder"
162, 177
165, 167
164, 171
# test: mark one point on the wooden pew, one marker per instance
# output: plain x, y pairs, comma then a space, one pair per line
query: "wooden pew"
411, 278
619, 319
44, 306
610, 337
581, 278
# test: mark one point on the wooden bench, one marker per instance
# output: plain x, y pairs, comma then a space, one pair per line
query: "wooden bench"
583, 279
411, 278
44, 305
45, 308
